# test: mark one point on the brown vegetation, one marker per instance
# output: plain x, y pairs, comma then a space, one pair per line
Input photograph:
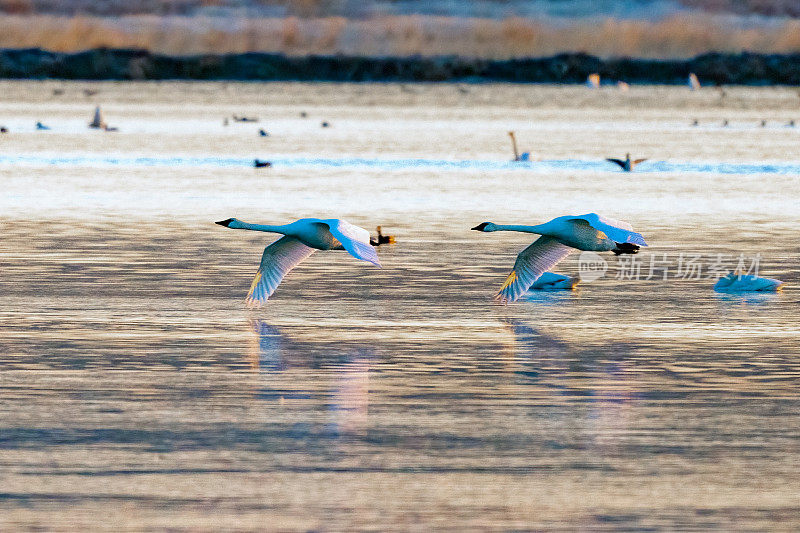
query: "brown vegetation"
676, 37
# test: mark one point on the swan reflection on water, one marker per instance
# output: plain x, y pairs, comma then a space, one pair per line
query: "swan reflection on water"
268, 351
735, 299
591, 379
346, 399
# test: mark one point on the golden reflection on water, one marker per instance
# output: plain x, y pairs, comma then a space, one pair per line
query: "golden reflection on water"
134, 377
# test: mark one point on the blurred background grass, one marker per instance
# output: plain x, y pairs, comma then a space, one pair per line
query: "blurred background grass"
492, 29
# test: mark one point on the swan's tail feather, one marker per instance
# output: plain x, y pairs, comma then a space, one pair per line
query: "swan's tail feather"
626, 248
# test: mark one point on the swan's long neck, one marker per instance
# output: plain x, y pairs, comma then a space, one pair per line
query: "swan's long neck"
258, 227
516, 227
514, 145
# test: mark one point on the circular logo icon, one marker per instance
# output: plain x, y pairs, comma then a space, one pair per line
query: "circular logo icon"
591, 266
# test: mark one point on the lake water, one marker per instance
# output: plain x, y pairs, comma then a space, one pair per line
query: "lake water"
138, 392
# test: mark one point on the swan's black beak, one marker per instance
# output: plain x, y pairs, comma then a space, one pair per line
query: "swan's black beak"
480, 226
225, 223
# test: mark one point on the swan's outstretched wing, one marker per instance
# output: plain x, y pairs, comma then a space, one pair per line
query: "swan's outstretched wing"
278, 259
620, 162
616, 230
354, 239
532, 262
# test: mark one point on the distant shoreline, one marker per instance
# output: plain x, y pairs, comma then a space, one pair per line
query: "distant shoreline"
572, 68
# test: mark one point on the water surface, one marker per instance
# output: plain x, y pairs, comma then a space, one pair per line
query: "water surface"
138, 391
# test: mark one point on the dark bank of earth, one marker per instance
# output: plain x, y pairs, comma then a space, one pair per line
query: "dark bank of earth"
108, 64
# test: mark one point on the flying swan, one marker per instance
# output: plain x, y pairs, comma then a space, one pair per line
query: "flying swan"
590, 232
301, 239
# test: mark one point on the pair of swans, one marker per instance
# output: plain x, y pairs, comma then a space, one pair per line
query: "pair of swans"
590, 232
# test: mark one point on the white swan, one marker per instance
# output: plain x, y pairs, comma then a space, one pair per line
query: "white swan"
745, 283
590, 232
550, 281
301, 239
524, 156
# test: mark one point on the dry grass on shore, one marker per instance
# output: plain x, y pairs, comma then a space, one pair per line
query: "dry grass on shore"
677, 37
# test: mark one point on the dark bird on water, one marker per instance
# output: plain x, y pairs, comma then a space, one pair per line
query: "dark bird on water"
261, 164
303, 114
382, 239
263, 133
626, 164
3, 129
40, 126
325, 124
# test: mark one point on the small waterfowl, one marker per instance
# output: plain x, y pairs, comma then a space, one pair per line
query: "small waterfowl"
763, 123
694, 83
725, 123
626, 164
257, 163
325, 124
40, 126
3, 129
263, 133
590, 232
745, 283
790, 124
237, 118
303, 114
98, 122
382, 239
301, 239
696, 122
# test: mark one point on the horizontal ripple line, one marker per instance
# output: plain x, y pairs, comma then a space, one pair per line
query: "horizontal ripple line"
400, 164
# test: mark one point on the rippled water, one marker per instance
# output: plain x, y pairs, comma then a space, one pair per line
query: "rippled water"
139, 392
